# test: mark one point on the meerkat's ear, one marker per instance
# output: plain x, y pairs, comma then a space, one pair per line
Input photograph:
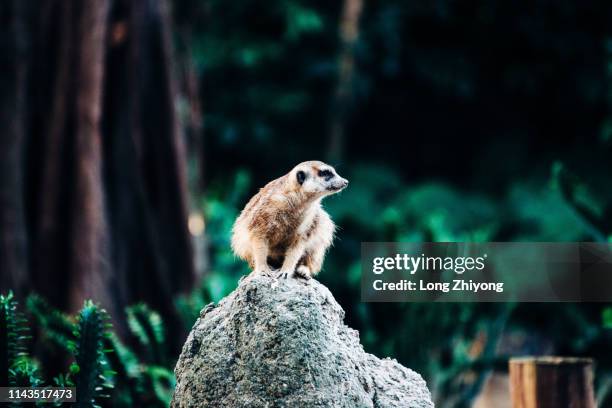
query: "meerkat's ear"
301, 176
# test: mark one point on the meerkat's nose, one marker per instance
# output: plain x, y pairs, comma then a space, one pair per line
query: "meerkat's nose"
337, 184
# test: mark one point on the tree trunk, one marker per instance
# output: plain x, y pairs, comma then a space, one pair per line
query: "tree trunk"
13, 264
106, 162
194, 131
145, 161
47, 165
89, 263
349, 33
71, 240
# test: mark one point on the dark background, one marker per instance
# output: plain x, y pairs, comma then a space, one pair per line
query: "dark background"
133, 132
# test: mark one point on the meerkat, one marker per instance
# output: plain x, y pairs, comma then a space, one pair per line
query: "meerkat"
284, 226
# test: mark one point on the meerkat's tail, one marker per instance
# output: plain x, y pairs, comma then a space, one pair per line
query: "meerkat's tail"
240, 241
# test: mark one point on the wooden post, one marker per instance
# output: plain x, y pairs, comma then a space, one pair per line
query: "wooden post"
551, 382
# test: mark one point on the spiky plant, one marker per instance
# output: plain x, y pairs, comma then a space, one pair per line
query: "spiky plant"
90, 368
145, 377
142, 377
56, 327
589, 207
148, 328
25, 373
13, 335
128, 377
161, 380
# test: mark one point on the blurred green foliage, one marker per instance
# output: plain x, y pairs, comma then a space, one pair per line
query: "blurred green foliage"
105, 370
15, 367
84, 338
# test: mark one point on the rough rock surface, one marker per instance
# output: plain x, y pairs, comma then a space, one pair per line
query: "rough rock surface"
283, 344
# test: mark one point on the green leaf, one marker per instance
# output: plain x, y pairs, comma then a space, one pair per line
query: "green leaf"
55, 326
148, 328
25, 373
607, 318
162, 382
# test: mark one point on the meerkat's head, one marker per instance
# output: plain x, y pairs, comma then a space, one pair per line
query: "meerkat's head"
316, 179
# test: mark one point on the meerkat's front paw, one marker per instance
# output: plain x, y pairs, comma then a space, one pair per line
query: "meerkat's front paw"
303, 271
263, 271
284, 274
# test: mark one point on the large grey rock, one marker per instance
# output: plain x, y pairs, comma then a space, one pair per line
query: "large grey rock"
283, 344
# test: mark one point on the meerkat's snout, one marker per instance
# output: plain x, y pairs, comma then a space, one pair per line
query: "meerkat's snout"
331, 180
338, 183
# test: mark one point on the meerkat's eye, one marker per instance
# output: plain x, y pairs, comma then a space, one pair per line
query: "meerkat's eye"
327, 174
301, 176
